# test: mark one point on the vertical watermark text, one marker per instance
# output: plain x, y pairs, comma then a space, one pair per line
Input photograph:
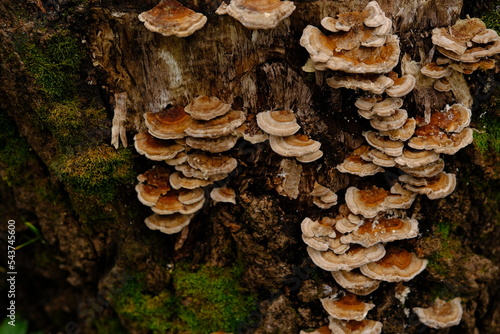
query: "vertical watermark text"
11, 272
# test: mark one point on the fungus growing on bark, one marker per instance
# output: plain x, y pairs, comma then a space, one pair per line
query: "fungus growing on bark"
154, 148
442, 142
211, 165
258, 14
169, 203
216, 127
429, 170
279, 122
178, 181
435, 187
404, 133
369, 202
293, 146
392, 122
373, 83
168, 224
323, 197
169, 123
204, 108
416, 158
442, 314
223, 195
355, 257
398, 265
379, 158
179, 159
355, 327
318, 228
355, 282
251, 137
382, 229
402, 86
348, 307
170, 17
212, 145
390, 147
152, 184
354, 164
435, 71
189, 171
188, 196
442, 85
310, 157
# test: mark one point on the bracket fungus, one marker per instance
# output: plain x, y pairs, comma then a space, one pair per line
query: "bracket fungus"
394, 148
170, 203
403, 133
361, 42
401, 86
376, 84
212, 145
429, 170
154, 148
293, 146
356, 165
278, 123
170, 17
435, 187
392, 122
211, 165
416, 158
205, 108
398, 265
355, 257
223, 195
365, 326
442, 314
258, 14
216, 127
355, 282
370, 202
323, 197
348, 307
169, 123
168, 224
152, 184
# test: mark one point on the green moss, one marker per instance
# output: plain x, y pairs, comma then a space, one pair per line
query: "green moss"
53, 64
212, 298
15, 152
439, 262
492, 18
106, 325
204, 301
487, 138
97, 172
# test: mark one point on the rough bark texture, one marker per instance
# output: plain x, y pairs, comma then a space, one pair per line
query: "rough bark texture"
99, 269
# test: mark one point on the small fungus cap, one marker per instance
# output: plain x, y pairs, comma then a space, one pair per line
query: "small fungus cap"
168, 224
278, 123
355, 165
442, 314
205, 108
416, 158
168, 124
170, 17
457, 37
169, 203
402, 86
435, 71
293, 146
154, 148
355, 327
404, 133
178, 181
442, 142
398, 265
310, 157
216, 127
260, 14
153, 184
387, 107
180, 158
212, 164
318, 228
394, 148
353, 258
212, 145
348, 307
355, 282
392, 122
425, 171
376, 84
223, 195
435, 187
379, 158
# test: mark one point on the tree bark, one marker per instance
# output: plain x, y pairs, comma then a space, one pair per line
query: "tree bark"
99, 269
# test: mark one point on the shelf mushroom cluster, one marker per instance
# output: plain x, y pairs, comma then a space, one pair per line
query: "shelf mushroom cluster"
282, 128
465, 48
191, 140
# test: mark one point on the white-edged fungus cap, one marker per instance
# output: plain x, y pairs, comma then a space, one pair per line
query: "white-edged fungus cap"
212, 145
394, 148
318, 228
355, 257
442, 142
416, 158
168, 224
205, 108
223, 195
442, 314
170, 17
402, 86
355, 165
293, 146
365, 326
392, 122
376, 84
380, 158
398, 265
429, 170
387, 107
216, 127
179, 158
435, 187
169, 203
153, 184
355, 282
211, 165
168, 124
260, 14
154, 148
278, 122
404, 133
251, 137
348, 307
178, 181
435, 71
310, 157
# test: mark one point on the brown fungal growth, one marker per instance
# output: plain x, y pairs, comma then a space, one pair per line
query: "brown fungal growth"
443, 142
258, 14
154, 148
435, 71
356, 165
169, 123
253, 137
212, 145
376, 84
379, 158
416, 158
392, 122
365, 326
360, 43
403, 133
211, 165
216, 127
348, 307
466, 41
293, 146
442, 314
223, 195
321, 330
382, 229
168, 224
370, 202
278, 123
398, 265
355, 257
179, 159
401, 86
152, 184
435, 187
205, 108
429, 170
323, 197
178, 181
355, 282
170, 17
169, 203
394, 148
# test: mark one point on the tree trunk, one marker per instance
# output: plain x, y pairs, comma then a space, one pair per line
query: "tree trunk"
237, 268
